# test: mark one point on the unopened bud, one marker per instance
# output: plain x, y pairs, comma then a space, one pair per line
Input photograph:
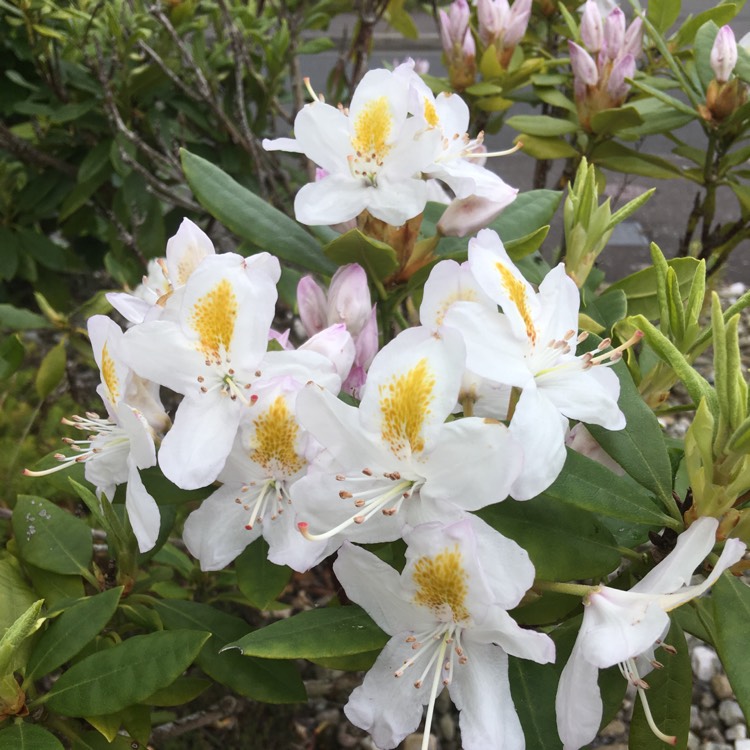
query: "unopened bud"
614, 33
584, 67
592, 29
724, 54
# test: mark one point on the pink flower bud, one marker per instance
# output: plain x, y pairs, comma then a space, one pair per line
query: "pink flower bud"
516, 22
336, 345
491, 17
592, 29
366, 342
467, 216
614, 33
724, 54
584, 67
633, 44
311, 301
349, 298
617, 88
453, 26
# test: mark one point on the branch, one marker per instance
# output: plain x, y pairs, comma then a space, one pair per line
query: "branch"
29, 154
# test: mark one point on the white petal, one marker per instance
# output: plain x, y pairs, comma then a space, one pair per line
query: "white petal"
215, 533
578, 703
481, 691
334, 199
540, 429
185, 250
560, 299
287, 546
195, 449
389, 707
395, 200
143, 512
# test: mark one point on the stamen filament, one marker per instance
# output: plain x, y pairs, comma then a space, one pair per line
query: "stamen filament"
433, 697
484, 155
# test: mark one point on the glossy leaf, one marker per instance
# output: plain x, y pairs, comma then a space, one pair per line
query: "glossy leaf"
563, 542
528, 212
71, 631
523, 246
639, 448
260, 679
542, 125
327, 632
27, 736
731, 605
259, 580
668, 696
182, 690
545, 148
251, 217
51, 538
125, 674
377, 258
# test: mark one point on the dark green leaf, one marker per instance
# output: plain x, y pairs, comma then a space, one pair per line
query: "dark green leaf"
26, 736
10, 247
51, 538
377, 258
619, 158
125, 674
607, 309
731, 600
608, 121
182, 690
18, 319
43, 250
266, 680
71, 631
327, 632
542, 125
528, 212
563, 542
259, 580
96, 741
527, 245
668, 696
56, 590
251, 217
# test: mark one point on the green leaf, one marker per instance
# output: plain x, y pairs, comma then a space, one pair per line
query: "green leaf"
585, 484
27, 736
326, 632
527, 245
563, 542
10, 643
731, 605
609, 121
18, 319
51, 538
182, 690
51, 370
377, 258
640, 287
10, 247
720, 14
542, 125
71, 632
629, 208
259, 580
704, 42
611, 155
54, 588
266, 680
669, 697
11, 356
251, 217
45, 252
125, 674
528, 212
663, 13
15, 595
640, 447
545, 148
607, 309
96, 741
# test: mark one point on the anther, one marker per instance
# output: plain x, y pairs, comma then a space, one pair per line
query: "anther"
344, 495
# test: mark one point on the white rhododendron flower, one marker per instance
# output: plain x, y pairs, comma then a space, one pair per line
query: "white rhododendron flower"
624, 627
119, 446
531, 346
447, 615
393, 460
373, 154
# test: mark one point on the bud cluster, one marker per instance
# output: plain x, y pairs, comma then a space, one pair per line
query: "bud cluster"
726, 92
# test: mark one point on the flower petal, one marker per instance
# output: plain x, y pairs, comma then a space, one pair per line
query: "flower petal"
143, 512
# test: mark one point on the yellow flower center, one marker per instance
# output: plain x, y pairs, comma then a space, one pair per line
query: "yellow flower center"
442, 584
109, 375
213, 319
404, 404
372, 129
276, 433
466, 295
517, 292
430, 113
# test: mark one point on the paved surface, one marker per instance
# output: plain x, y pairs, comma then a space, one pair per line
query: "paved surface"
661, 220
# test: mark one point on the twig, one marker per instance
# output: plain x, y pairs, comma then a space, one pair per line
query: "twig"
227, 706
31, 155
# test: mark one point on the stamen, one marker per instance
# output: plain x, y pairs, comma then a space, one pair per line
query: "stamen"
431, 703
485, 154
641, 685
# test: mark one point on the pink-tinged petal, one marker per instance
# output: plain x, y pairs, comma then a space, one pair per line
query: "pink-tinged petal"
215, 533
194, 451
303, 365
592, 28
559, 301
158, 351
586, 395
311, 302
185, 251
492, 349
578, 703
349, 298
584, 67
617, 86
724, 54
366, 342
517, 22
335, 199
614, 34
336, 346
388, 707
377, 588
143, 512
467, 216
412, 386
490, 461
619, 625
633, 44
540, 429
481, 691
